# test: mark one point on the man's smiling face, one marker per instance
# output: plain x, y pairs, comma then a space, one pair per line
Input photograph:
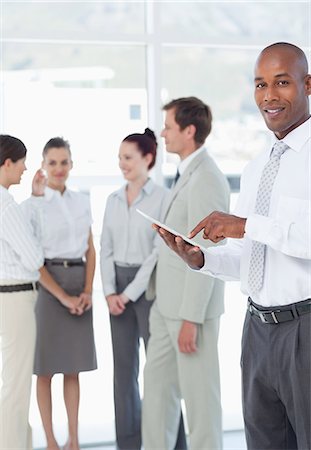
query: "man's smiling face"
282, 87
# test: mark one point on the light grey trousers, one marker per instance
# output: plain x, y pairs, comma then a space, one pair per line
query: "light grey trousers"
171, 375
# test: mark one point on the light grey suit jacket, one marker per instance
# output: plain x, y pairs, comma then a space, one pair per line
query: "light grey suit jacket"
182, 293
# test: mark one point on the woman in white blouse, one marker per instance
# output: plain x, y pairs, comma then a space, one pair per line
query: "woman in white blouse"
20, 259
65, 340
128, 256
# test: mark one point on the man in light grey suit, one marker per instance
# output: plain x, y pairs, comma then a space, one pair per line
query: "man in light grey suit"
182, 357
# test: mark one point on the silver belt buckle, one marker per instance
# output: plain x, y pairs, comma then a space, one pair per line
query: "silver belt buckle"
262, 317
264, 320
274, 317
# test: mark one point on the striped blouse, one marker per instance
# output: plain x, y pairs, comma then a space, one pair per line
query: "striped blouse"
20, 251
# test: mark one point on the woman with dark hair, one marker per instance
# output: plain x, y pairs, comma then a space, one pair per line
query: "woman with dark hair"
128, 256
20, 259
65, 340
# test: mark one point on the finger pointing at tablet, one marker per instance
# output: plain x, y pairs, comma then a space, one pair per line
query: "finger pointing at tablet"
218, 226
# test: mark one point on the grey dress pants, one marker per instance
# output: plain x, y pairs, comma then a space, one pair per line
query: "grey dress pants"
126, 330
276, 376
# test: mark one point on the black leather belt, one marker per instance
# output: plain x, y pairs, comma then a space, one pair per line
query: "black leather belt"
65, 263
279, 315
19, 287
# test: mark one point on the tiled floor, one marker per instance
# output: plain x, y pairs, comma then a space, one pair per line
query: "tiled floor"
233, 440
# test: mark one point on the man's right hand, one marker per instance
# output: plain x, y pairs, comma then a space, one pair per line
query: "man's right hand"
192, 255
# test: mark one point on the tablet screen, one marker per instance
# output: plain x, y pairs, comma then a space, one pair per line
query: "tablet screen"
171, 230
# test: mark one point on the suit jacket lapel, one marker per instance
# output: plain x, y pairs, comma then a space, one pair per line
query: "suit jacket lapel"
183, 179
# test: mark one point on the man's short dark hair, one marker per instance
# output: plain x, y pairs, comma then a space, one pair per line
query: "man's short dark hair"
192, 111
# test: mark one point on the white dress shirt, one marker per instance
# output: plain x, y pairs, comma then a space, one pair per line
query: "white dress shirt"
286, 231
67, 224
20, 251
185, 162
128, 239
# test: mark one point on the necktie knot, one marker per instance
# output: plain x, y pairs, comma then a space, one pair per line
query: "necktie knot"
278, 149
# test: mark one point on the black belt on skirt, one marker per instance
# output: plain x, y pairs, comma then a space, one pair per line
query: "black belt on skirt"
281, 314
64, 262
19, 287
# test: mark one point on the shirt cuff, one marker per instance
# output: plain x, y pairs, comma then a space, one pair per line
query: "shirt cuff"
109, 290
131, 294
37, 197
211, 263
258, 228
37, 201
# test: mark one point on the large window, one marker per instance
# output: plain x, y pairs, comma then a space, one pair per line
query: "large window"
71, 20
95, 71
94, 106
244, 23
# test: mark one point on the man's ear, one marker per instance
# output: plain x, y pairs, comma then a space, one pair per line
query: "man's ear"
308, 84
191, 130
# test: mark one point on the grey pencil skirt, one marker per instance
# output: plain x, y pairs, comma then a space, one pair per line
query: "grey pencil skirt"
65, 342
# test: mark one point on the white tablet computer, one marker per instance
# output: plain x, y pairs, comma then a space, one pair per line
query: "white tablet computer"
165, 227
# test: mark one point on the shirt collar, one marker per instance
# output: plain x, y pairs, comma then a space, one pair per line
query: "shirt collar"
147, 188
4, 192
297, 138
185, 162
50, 193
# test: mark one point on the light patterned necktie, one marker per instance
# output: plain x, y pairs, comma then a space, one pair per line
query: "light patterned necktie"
257, 260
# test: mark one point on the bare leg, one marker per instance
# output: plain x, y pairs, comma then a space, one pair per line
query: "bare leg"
72, 397
44, 399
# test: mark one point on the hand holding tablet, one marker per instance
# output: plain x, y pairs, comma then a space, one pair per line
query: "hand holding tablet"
170, 230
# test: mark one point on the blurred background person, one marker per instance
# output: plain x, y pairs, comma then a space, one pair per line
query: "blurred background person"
128, 256
182, 356
21, 257
65, 339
